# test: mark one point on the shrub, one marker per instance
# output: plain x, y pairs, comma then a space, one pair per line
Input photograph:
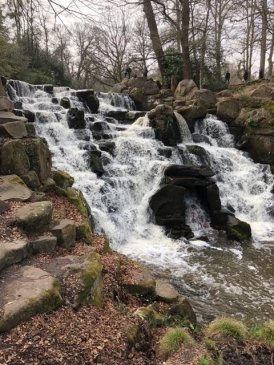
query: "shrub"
226, 326
173, 339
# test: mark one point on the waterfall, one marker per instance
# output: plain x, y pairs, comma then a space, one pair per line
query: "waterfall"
218, 277
184, 130
243, 184
142, 121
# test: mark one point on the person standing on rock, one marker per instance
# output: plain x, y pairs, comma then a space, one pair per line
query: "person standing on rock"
128, 72
227, 78
246, 76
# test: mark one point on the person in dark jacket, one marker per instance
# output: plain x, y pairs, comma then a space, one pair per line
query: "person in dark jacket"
246, 76
128, 72
227, 77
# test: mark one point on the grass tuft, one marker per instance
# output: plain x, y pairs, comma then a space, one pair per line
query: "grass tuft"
263, 333
173, 339
226, 326
205, 359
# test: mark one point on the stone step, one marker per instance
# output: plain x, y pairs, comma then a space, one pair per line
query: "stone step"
16, 129
26, 292
13, 252
6, 117
65, 232
35, 217
13, 188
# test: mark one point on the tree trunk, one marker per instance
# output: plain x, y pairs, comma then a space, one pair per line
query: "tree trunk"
187, 71
154, 36
263, 36
270, 61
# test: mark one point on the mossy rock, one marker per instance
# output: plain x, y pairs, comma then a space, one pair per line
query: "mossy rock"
14, 159
238, 230
150, 315
91, 281
63, 179
84, 231
77, 198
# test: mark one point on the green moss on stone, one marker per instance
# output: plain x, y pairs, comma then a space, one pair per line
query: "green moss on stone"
63, 179
77, 198
91, 279
84, 231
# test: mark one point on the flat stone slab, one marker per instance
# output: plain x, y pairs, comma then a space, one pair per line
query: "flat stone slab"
6, 117
35, 217
15, 129
13, 188
65, 232
43, 244
27, 292
188, 171
166, 292
142, 284
13, 252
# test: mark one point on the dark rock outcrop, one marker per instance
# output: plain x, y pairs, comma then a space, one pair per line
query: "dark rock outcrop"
76, 118
89, 98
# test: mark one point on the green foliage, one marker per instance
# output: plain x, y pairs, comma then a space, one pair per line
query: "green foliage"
173, 339
226, 326
263, 333
205, 359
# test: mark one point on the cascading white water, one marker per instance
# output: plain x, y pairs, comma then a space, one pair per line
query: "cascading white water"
243, 184
212, 273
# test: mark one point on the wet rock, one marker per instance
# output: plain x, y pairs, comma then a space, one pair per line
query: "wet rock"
76, 118
107, 146
238, 230
184, 310
142, 284
13, 252
65, 103
31, 180
29, 291
100, 127
199, 152
117, 114
14, 159
213, 197
43, 244
165, 151
63, 179
89, 98
35, 217
82, 134
200, 138
165, 125
48, 88
13, 188
188, 170
186, 90
134, 114
95, 162
166, 292
65, 232
188, 182
192, 113
54, 100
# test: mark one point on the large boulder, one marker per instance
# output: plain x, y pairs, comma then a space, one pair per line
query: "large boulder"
42, 244
15, 129
65, 102
63, 179
192, 113
143, 283
165, 125
237, 229
31, 180
27, 292
14, 159
148, 86
89, 98
188, 170
13, 188
228, 109
165, 292
35, 217
76, 118
186, 90
7, 117
225, 94
6, 104
205, 98
262, 91
39, 157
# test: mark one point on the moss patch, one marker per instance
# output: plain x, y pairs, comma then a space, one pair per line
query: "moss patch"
226, 326
173, 340
84, 231
77, 198
263, 333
